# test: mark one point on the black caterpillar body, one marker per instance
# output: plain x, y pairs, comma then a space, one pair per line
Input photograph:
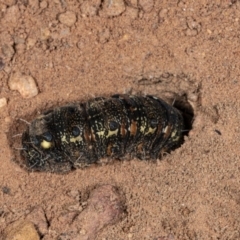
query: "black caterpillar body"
119, 127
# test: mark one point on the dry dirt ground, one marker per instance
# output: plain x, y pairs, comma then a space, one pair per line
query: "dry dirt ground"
76, 50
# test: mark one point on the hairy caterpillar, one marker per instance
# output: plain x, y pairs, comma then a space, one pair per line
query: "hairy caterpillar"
119, 127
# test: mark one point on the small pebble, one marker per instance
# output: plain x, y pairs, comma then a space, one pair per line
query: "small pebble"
192, 32
31, 42
45, 33
21, 230
8, 51
193, 27
130, 235
90, 8
68, 18
43, 4
12, 15
163, 13
147, 5
7, 119
132, 12
104, 35
83, 232
133, 3
25, 84
114, 7
105, 206
3, 102
34, 5
74, 194
193, 97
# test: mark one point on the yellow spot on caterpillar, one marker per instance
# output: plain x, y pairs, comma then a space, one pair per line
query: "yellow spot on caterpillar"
174, 136
150, 130
76, 139
100, 133
111, 133
45, 144
143, 127
63, 139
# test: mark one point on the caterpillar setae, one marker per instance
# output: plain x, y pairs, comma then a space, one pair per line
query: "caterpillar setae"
119, 127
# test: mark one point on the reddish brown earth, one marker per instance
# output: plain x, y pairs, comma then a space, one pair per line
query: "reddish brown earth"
98, 48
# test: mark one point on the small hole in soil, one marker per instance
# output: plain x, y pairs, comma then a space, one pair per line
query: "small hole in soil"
181, 103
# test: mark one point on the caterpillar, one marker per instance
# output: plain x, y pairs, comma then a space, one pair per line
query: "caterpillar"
119, 127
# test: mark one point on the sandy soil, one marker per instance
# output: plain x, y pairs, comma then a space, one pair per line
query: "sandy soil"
188, 48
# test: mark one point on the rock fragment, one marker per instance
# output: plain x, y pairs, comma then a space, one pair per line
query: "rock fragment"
25, 84
68, 18
114, 8
133, 3
193, 27
30, 42
12, 15
34, 5
3, 102
147, 5
8, 51
132, 12
19, 230
43, 4
104, 207
90, 8
104, 35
